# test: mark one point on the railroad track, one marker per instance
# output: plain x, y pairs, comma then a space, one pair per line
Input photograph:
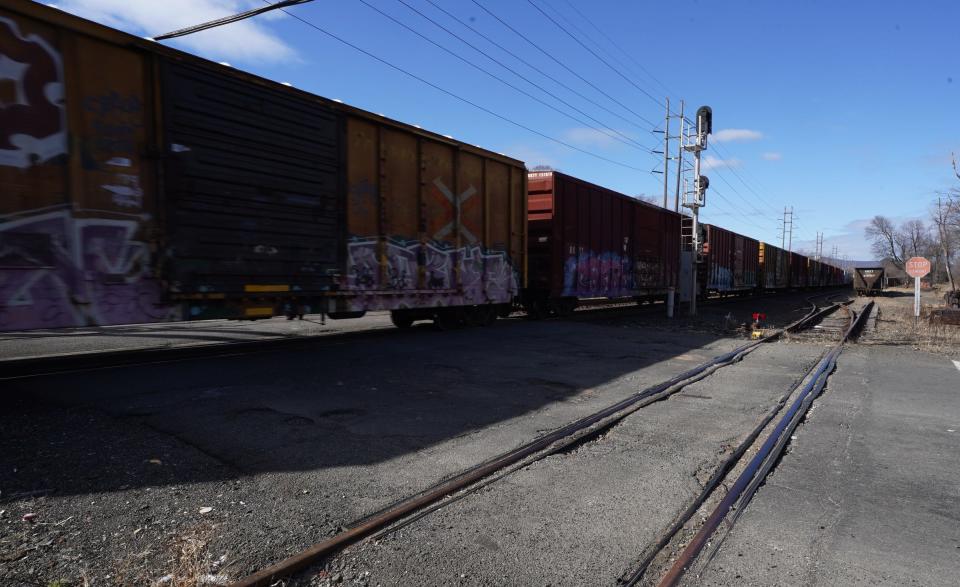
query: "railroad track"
447, 491
95, 360
747, 476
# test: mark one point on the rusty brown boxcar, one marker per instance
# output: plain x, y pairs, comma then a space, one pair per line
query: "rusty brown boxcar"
144, 184
586, 241
731, 260
798, 270
774, 267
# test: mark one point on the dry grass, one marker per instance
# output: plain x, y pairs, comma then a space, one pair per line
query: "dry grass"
896, 326
187, 563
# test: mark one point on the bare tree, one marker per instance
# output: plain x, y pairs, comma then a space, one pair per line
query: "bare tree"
941, 220
915, 239
887, 241
650, 199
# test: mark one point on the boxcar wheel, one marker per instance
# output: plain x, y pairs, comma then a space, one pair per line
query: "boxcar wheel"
447, 319
537, 310
488, 315
401, 319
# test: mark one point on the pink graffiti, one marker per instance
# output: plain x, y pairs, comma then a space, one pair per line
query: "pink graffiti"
466, 276
57, 270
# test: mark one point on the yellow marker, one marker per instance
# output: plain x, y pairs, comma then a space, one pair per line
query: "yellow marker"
255, 288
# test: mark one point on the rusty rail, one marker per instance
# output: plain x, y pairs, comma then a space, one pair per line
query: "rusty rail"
438, 492
749, 480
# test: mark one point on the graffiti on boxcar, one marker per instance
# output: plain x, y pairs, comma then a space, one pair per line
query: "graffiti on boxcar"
721, 279
484, 276
116, 121
609, 274
59, 270
32, 117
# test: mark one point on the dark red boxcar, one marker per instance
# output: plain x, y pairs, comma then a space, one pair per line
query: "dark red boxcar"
732, 260
798, 270
586, 241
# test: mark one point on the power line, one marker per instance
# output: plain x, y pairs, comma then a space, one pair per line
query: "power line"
228, 19
594, 53
455, 96
744, 216
516, 73
617, 46
735, 190
744, 182
498, 78
535, 68
565, 66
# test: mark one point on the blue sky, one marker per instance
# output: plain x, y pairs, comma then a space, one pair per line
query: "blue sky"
844, 109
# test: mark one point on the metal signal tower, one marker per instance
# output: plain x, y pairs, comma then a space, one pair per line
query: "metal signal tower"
696, 198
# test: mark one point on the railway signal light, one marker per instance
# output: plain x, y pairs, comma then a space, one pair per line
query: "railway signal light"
757, 326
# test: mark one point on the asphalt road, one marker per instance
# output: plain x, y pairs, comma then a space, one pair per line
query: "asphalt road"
113, 475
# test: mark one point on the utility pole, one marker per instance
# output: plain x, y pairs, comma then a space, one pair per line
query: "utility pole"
666, 155
676, 194
697, 198
787, 227
818, 255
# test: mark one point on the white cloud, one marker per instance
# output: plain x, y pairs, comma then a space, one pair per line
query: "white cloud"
736, 134
772, 156
590, 136
532, 156
245, 41
711, 162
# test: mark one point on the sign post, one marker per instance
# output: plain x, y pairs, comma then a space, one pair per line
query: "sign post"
916, 267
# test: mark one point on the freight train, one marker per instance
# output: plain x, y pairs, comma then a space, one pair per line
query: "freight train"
145, 184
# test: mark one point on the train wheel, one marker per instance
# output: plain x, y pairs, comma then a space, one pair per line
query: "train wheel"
567, 307
537, 310
401, 319
488, 315
448, 319
473, 315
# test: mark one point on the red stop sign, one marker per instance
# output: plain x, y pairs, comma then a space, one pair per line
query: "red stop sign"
917, 267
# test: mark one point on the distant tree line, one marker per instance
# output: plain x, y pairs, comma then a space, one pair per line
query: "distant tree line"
937, 240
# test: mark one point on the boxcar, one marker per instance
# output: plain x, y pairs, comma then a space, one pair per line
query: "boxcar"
144, 184
731, 260
814, 273
586, 241
798, 270
774, 267
868, 281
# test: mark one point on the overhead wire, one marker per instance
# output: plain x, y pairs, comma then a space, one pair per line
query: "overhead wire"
625, 138
652, 125
618, 47
594, 53
535, 68
747, 185
228, 19
454, 95
516, 88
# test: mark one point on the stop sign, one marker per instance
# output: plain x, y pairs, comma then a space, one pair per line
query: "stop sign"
917, 267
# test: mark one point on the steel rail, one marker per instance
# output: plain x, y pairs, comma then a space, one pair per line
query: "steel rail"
750, 479
443, 489
30, 367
